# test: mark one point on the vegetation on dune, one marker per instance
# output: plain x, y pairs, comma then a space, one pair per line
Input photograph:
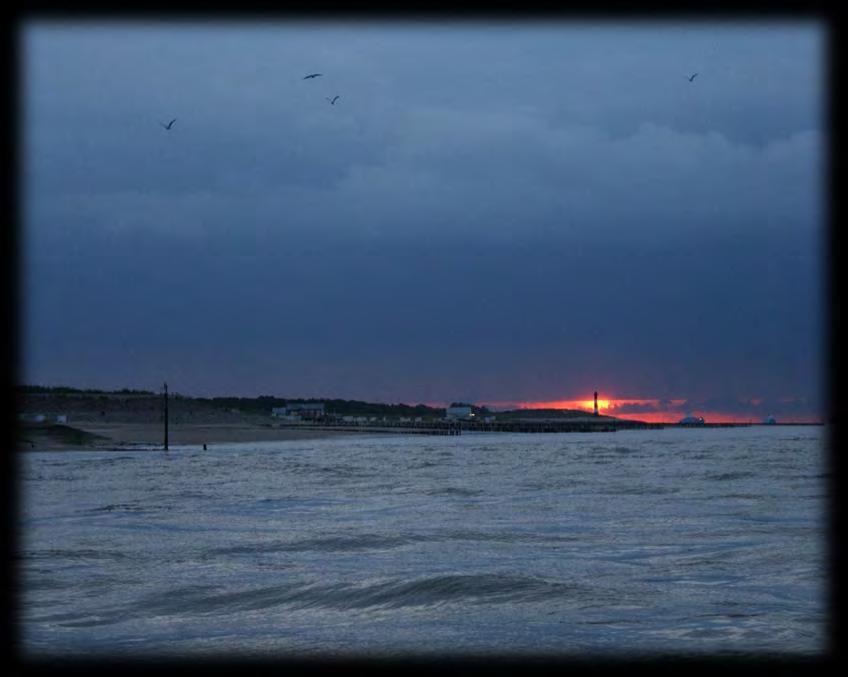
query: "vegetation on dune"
67, 390
263, 404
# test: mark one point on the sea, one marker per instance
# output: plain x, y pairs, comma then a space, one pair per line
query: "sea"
666, 542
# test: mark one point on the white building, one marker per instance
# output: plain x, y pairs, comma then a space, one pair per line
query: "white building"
459, 413
692, 420
283, 414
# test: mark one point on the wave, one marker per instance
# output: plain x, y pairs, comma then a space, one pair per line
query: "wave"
337, 543
722, 477
327, 544
427, 591
86, 554
641, 490
453, 491
130, 508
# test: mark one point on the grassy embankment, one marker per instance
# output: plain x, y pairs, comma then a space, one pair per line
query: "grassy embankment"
57, 436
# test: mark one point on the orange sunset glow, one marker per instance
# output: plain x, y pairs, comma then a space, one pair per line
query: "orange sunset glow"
649, 410
606, 406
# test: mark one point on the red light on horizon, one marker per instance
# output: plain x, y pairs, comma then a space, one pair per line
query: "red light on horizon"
654, 414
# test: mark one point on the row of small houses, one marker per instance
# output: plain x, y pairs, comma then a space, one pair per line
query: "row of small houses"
311, 411
306, 411
42, 418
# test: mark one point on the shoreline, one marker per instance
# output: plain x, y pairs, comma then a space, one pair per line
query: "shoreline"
123, 436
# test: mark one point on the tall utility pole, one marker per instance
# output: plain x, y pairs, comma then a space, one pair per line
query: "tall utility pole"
166, 416
596, 408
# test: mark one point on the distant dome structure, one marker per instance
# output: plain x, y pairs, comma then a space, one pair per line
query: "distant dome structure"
692, 420
769, 420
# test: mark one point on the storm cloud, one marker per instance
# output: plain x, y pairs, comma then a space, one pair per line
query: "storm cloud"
490, 211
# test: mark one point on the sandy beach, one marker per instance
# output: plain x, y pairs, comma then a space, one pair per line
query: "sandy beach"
121, 435
114, 421
188, 433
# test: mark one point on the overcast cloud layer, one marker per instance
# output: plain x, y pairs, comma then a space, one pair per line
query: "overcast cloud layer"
488, 212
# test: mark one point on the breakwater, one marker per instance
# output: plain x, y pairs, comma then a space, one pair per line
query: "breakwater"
458, 427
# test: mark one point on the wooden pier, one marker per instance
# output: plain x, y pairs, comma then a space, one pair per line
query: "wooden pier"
458, 427
388, 427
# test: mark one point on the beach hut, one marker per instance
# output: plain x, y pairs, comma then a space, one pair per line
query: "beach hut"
306, 410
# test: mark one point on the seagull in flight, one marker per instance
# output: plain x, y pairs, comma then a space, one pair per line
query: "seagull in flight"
312, 75
691, 77
333, 100
169, 125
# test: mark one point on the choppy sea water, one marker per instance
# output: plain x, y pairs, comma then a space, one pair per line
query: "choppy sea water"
676, 541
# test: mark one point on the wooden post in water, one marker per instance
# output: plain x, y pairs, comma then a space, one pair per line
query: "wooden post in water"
166, 416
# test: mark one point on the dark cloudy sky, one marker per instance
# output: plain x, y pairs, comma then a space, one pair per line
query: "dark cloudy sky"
496, 212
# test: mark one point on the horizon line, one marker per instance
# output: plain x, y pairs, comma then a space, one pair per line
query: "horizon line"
656, 410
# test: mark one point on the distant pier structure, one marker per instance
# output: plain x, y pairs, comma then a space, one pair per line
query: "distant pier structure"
596, 403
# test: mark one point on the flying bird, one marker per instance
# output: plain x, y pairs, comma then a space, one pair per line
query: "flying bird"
169, 125
691, 77
312, 75
333, 100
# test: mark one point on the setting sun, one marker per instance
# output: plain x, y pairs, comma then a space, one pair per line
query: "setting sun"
590, 404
